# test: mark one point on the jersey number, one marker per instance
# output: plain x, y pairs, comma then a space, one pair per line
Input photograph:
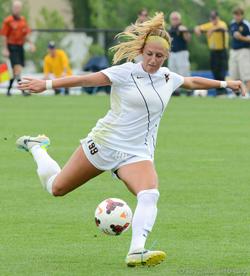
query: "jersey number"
92, 147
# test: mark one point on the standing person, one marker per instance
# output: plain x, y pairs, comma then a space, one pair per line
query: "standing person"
124, 140
217, 38
15, 32
142, 16
178, 60
56, 65
239, 60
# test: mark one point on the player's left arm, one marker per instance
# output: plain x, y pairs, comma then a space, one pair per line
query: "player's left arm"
193, 83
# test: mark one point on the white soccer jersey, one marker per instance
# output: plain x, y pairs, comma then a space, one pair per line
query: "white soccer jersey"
138, 100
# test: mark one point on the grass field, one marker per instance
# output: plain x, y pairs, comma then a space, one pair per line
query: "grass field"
203, 164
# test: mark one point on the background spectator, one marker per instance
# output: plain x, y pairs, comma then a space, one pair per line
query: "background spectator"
142, 15
179, 57
56, 65
239, 62
15, 31
217, 38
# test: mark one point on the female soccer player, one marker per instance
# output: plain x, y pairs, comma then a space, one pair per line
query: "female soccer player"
124, 140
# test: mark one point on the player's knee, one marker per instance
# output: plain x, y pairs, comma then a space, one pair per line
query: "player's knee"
58, 191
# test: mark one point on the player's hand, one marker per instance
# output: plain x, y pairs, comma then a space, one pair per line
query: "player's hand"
182, 28
237, 86
197, 31
237, 35
32, 48
6, 52
209, 32
32, 85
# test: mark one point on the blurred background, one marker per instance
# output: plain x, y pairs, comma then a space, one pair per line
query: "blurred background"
86, 28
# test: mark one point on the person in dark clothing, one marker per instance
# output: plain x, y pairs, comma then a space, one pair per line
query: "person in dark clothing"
240, 48
178, 61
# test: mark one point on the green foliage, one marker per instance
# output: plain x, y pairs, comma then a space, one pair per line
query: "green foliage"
119, 14
4, 9
82, 12
96, 50
49, 19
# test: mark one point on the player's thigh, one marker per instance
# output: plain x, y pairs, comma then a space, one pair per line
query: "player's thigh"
77, 171
139, 176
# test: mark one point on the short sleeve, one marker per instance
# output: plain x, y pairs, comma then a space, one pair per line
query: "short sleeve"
231, 29
224, 25
119, 74
205, 27
247, 27
178, 80
5, 28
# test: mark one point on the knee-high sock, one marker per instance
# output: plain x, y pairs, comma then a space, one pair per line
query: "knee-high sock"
47, 168
144, 218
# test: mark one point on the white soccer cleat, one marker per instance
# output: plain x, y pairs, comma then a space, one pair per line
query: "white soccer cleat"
145, 258
27, 142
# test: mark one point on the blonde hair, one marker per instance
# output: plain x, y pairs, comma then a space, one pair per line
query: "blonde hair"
136, 36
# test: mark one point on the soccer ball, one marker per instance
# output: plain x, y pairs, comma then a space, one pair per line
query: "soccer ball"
113, 216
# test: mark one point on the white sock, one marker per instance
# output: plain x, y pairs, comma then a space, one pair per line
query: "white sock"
144, 218
47, 168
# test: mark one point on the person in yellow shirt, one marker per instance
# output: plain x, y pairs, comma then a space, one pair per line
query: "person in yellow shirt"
56, 65
217, 39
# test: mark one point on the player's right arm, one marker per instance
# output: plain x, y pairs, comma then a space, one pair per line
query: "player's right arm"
90, 80
193, 83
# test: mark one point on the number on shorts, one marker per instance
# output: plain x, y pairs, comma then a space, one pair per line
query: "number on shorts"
92, 147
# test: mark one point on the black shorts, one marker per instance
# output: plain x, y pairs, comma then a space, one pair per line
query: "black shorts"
16, 54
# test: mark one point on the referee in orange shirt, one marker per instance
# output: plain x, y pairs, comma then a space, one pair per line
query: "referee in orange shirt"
15, 31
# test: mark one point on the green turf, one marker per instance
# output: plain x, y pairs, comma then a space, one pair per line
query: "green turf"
203, 164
